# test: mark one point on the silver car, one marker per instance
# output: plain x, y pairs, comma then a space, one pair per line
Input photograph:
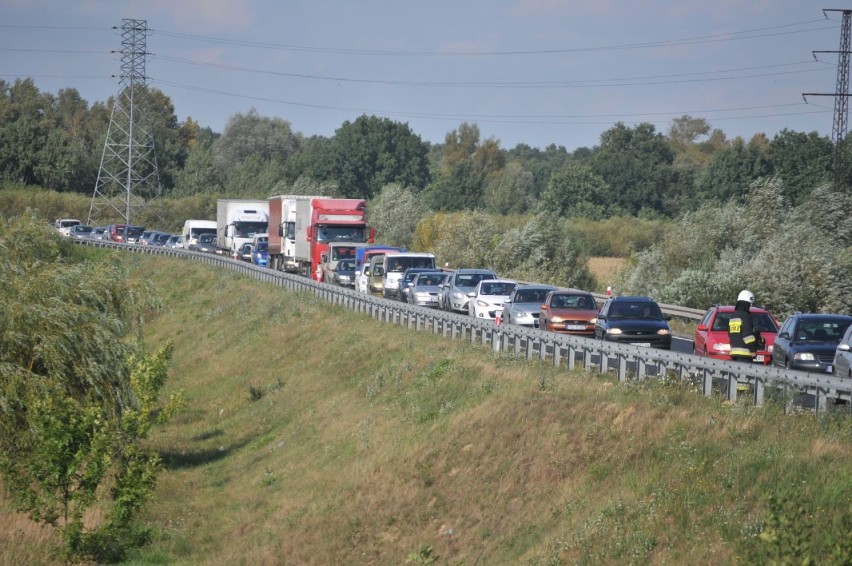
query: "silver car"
425, 289
524, 304
454, 293
842, 365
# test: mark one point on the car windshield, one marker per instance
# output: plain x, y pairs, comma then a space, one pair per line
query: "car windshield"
496, 288
762, 322
430, 279
262, 246
346, 265
206, 238
79, 228
638, 310
531, 296
470, 279
576, 302
821, 330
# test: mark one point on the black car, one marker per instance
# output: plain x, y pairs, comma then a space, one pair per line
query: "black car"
344, 273
807, 341
634, 320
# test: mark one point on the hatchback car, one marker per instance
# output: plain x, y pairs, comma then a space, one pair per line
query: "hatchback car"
80, 232
408, 278
711, 335
808, 341
524, 305
569, 312
843, 356
260, 254
634, 320
244, 252
175, 241
425, 290
205, 243
459, 284
489, 296
343, 273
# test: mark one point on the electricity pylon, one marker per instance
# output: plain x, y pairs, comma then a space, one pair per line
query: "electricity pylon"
128, 178
841, 100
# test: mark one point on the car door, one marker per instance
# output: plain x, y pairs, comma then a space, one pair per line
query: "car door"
782, 343
600, 325
699, 342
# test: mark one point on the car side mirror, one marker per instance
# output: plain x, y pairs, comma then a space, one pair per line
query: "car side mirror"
701, 328
784, 336
544, 307
601, 317
667, 317
844, 347
471, 294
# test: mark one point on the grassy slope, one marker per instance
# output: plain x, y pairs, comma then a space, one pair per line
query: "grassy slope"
371, 443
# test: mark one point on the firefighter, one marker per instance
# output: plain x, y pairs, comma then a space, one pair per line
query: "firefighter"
741, 332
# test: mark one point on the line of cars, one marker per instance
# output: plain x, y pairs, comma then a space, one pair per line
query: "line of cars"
74, 229
812, 342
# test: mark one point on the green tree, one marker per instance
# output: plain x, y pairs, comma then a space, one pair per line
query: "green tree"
252, 135
637, 165
77, 393
509, 192
462, 239
395, 215
577, 191
372, 152
802, 161
544, 250
731, 171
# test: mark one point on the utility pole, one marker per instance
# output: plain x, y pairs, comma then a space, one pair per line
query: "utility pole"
841, 100
128, 178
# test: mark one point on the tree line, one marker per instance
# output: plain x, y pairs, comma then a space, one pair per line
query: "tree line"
56, 142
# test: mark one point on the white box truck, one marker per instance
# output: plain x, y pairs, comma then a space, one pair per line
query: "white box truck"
238, 221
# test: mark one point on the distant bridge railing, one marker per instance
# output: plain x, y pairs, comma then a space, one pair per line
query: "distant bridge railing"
561, 350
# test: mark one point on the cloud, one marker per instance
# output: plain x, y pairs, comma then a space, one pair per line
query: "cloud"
206, 15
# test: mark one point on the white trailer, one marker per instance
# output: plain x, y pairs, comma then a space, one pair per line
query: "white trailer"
238, 221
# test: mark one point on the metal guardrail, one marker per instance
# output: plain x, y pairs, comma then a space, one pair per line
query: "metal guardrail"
625, 361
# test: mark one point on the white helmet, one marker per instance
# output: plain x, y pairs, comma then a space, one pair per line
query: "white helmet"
747, 296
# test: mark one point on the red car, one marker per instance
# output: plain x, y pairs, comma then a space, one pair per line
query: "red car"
569, 312
711, 334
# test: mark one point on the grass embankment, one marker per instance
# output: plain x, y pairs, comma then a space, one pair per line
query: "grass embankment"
316, 436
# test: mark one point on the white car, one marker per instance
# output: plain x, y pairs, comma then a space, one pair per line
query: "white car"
488, 297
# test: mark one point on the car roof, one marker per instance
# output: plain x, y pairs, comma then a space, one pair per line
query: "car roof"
473, 271
820, 316
633, 299
732, 308
534, 286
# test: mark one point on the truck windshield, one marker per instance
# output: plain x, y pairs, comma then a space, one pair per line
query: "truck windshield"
342, 252
196, 232
249, 229
340, 233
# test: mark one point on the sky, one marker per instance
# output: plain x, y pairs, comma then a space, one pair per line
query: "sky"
534, 72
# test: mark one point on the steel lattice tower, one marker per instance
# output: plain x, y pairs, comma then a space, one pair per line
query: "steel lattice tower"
841, 100
128, 178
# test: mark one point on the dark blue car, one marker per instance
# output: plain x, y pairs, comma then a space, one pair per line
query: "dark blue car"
634, 320
807, 341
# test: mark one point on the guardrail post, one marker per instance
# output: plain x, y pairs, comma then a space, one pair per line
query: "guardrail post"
572, 357
820, 400
732, 387
496, 340
517, 348
530, 347
641, 369
604, 363
758, 392
707, 382
542, 349
557, 354
587, 359
622, 368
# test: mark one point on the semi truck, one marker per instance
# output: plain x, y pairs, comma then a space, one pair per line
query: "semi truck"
322, 221
282, 235
238, 221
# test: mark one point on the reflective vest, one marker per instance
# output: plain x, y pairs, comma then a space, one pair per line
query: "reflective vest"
741, 335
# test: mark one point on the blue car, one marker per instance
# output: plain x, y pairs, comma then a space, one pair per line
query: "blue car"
260, 254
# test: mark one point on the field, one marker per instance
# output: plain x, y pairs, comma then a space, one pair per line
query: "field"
314, 435
605, 268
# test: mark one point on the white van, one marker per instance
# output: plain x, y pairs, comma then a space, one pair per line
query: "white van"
64, 225
194, 228
395, 265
